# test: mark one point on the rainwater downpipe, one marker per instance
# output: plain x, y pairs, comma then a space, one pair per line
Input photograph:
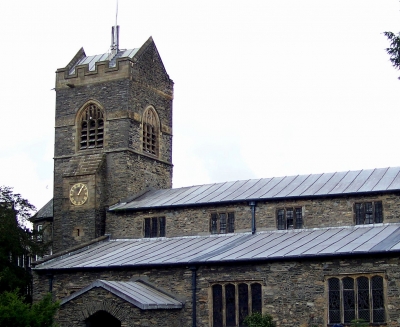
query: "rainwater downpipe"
252, 205
194, 286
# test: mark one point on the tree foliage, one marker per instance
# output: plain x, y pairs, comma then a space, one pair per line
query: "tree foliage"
17, 313
394, 49
256, 319
17, 241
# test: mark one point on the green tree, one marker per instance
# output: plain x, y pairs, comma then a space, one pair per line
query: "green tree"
15, 312
394, 49
17, 242
256, 319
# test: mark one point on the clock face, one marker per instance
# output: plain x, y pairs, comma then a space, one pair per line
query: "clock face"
78, 194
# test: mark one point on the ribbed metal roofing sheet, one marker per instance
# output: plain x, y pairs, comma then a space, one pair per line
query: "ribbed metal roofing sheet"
139, 293
268, 245
339, 183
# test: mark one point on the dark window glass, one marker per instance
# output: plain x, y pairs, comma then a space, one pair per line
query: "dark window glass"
217, 306
243, 303
334, 300
348, 299
363, 298
147, 228
162, 226
222, 223
214, 223
256, 297
230, 305
378, 310
299, 218
378, 212
368, 213
231, 222
289, 218
154, 227
281, 219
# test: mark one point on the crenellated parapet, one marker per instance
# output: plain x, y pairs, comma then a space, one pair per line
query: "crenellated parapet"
102, 72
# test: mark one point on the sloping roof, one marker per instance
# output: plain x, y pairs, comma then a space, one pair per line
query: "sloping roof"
139, 293
91, 60
328, 184
44, 213
269, 245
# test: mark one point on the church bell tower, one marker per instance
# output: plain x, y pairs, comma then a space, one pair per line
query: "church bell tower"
113, 136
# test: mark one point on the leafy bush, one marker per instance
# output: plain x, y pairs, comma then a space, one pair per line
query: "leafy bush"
256, 319
16, 313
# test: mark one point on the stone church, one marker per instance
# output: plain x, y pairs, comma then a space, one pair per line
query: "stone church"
129, 250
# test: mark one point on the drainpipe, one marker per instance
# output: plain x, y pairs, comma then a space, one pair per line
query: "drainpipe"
252, 205
193, 269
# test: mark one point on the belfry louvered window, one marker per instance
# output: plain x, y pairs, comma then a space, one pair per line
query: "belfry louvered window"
150, 132
92, 128
356, 298
232, 302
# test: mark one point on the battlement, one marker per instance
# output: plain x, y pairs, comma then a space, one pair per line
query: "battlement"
83, 70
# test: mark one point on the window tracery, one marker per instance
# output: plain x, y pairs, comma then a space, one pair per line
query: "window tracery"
91, 127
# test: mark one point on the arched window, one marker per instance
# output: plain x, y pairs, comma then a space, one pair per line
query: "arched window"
91, 127
102, 318
150, 132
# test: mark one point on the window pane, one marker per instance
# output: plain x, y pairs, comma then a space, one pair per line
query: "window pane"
256, 297
289, 218
281, 219
154, 227
363, 298
368, 213
231, 222
378, 212
214, 223
359, 214
243, 303
162, 226
378, 311
299, 218
334, 301
230, 305
217, 305
147, 227
222, 223
349, 304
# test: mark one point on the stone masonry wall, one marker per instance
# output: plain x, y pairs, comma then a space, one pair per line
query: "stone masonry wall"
319, 212
293, 292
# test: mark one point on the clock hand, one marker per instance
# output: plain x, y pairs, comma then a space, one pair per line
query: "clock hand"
80, 190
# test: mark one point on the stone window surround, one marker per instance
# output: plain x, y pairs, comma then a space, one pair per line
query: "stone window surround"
236, 283
374, 205
219, 226
354, 276
78, 125
297, 224
150, 138
148, 231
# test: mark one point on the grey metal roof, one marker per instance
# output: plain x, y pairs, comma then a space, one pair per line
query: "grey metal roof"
268, 245
328, 184
139, 293
91, 60
45, 212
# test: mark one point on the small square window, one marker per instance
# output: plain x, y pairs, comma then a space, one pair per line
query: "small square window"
289, 218
368, 212
222, 223
154, 227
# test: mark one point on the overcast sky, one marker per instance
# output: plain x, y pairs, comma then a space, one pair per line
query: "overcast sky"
263, 88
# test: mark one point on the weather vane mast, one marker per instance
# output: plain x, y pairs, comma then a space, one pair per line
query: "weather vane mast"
115, 35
